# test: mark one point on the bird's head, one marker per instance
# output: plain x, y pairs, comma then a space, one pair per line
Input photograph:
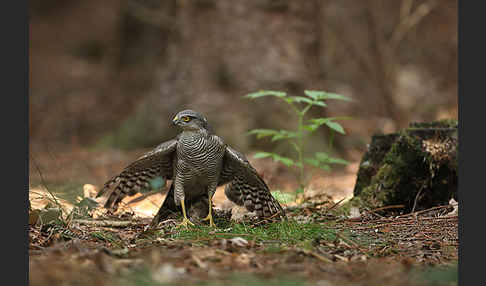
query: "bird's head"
190, 120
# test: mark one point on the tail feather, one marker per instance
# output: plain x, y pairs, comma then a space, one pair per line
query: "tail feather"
254, 199
127, 184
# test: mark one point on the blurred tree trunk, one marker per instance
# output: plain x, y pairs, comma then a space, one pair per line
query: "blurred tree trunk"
122, 68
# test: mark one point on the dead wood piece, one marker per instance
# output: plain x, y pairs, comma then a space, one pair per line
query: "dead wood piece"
112, 223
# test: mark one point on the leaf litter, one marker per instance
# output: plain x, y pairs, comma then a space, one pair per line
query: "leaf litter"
83, 244
317, 243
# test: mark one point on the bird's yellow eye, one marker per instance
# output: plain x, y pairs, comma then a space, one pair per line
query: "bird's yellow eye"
186, 118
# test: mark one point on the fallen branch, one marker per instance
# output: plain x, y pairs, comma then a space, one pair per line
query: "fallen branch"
112, 223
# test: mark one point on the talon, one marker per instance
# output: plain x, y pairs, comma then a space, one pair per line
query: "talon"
185, 220
210, 218
184, 223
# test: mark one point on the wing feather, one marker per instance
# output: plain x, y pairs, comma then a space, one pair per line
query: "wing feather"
137, 175
246, 187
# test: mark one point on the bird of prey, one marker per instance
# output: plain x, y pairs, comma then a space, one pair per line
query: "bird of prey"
197, 161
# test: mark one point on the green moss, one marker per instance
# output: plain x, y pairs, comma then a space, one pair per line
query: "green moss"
377, 150
397, 167
402, 173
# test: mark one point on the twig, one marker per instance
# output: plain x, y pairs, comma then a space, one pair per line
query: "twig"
199, 262
347, 240
385, 208
316, 255
106, 223
416, 198
335, 205
268, 218
423, 211
404, 221
144, 196
43, 181
350, 241
388, 207
358, 219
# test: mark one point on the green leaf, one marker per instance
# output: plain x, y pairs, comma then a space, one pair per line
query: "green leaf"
288, 100
301, 99
335, 126
277, 158
338, 161
260, 155
262, 93
260, 133
298, 164
326, 159
284, 134
336, 96
320, 103
319, 121
339, 118
325, 167
326, 120
312, 161
322, 95
310, 127
314, 94
322, 157
286, 161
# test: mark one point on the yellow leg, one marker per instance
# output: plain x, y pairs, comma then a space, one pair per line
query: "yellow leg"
185, 220
210, 214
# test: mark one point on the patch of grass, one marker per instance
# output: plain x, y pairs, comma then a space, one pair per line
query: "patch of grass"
288, 232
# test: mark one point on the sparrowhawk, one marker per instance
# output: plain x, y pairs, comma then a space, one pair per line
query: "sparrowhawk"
197, 161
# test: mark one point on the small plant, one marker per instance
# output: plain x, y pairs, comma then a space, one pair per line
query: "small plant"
301, 105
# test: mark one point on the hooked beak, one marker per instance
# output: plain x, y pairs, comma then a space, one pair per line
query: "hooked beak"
175, 120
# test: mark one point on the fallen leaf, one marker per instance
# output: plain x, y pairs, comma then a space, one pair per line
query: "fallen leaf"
239, 241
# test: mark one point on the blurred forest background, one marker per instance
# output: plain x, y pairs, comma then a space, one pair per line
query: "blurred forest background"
109, 75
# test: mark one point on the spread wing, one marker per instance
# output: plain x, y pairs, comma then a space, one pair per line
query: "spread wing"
246, 187
137, 175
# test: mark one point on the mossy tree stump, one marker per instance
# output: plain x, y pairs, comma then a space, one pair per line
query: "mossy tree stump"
416, 167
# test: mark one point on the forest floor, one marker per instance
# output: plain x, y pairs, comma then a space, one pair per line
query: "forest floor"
319, 244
